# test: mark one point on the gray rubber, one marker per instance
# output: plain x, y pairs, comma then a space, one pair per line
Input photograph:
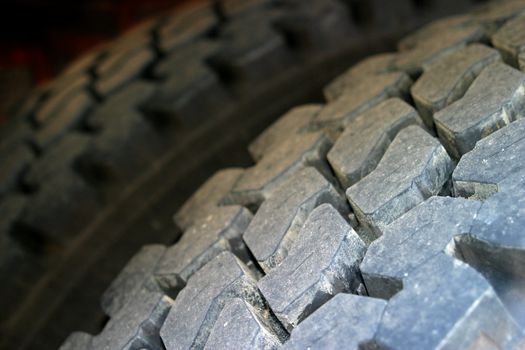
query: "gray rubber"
359, 97
399, 182
219, 231
258, 182
323, 261
280, 218
461, 126
426, 251
446, 81
363, 143
345, 319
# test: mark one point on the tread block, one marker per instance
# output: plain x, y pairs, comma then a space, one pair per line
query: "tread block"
59, 188
189, 94
494, 172
207, 197
495, 245
60, 100
190, 97
437, 45
69, 115
239, 326
320, 24
466, 310
58, 158
129, 66
27, 108
359, 97
373, 65
220, 230
76, 341
345, 319
61, 195
365, 91
65, 84
412, 239
258, 182
134, 327
494, 99
510, 39
82, 64
448, 78
15, 160
286, 126
360, 147
493, 15
198, 306
500, 218
143, 30
185, 26
252, 49
131, 279
186, 56
127, 141
127, 100
280, 218
493, 159
434, 28
118, 50
323, 262
414, 167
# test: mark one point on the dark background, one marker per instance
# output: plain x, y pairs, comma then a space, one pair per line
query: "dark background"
38, 38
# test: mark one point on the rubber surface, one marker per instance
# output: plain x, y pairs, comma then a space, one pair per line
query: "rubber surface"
448, 268
247, 252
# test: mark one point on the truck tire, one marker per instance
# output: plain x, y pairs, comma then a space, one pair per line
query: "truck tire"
387, 216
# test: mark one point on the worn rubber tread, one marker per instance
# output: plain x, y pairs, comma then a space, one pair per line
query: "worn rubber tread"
59, 100
127, 137
134, 327
207, 197
494, 99
177, 31
294, 121
447, 79
426, 33
436, 46
478, 173
345, 319
493, 16
377, 64
510, 40
418, 253
399, 182
220, 230
198, 306
412, 239
253, 331
304, 281
69, 117
133, 278
410, 322
365, 140
280, 164
280, 217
